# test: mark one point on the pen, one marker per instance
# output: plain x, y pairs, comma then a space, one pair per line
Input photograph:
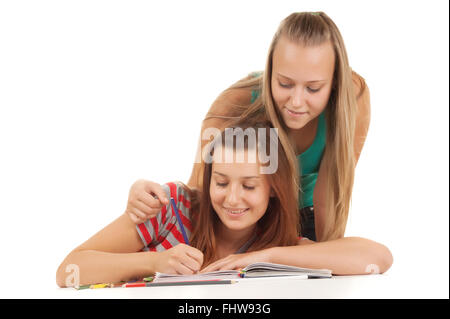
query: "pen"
179, 283
186, 240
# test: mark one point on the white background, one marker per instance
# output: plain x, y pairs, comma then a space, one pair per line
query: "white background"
97, 94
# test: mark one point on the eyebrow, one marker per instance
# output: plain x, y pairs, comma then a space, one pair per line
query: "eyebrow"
313, 81
244, 177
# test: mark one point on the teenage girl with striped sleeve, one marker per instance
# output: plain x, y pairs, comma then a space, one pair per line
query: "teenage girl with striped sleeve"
321, 109
240, 215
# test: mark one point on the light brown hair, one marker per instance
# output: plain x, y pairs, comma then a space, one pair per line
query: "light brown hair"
280, 224
310, 29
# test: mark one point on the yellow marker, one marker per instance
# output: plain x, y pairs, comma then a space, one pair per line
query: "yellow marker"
99, 286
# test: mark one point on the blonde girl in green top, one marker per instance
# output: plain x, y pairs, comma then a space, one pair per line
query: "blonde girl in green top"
321, 109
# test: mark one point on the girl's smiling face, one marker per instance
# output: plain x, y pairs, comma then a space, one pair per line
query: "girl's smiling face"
301, 81
239, 194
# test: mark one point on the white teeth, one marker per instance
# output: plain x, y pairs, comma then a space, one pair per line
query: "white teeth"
236, 211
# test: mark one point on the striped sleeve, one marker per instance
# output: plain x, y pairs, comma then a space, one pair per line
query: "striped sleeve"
163, 231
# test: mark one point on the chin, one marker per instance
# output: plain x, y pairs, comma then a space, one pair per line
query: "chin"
294, 125
236, 225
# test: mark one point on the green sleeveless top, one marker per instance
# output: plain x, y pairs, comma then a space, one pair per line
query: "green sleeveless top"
309, 160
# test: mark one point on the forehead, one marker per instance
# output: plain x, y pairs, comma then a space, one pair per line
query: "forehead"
231, 155
238, 163
236, 170
303, 63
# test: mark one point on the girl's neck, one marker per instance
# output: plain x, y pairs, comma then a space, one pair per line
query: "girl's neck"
302, 139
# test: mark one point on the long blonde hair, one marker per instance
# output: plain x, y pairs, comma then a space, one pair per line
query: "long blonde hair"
311, 29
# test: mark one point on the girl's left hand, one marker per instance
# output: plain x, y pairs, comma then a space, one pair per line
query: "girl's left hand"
238, 261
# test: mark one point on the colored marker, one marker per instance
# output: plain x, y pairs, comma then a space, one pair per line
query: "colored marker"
97, 286
179, 283
186, 240
83, 287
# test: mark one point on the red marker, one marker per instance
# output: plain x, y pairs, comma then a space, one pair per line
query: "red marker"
134, 284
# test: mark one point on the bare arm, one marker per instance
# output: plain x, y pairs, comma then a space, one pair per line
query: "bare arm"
344, 256
111, 255
114, 254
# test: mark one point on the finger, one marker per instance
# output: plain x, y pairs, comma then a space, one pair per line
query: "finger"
138, 213
157, 191
151, 201
213, 266
195, 254
148, 211
229, 265
210, 268
134, 219
161, 194
226, 263
190, 263
182, 269
206, 269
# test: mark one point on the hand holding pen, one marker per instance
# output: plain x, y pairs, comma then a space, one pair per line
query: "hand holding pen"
144, 202
180, 259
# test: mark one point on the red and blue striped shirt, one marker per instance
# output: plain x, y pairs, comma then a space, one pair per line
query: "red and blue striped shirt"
163, 231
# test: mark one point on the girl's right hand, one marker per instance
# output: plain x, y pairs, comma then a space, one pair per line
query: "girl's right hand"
145, 200
181, 259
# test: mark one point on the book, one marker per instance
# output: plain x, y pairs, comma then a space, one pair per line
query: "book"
261, 269
255, 270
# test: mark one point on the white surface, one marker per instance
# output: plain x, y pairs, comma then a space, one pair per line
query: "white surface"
88, 90
369, 286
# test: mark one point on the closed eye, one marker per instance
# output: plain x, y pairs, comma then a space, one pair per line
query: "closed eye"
225, 184
286, 86
313, 90
221, 184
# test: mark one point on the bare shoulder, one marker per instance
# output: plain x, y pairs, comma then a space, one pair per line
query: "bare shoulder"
362, 113
359, 86
362, 96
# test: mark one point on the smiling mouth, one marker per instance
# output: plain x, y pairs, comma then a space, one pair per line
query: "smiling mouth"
295, 113
236, 211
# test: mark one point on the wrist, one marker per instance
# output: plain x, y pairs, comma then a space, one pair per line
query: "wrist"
151, 261
270, 254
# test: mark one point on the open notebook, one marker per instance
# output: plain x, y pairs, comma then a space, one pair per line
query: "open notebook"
254, 270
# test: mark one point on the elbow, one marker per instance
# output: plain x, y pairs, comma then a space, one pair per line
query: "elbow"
60, 276
373, 258
63, 276
380, 259
68, 273
59, 282
386, 259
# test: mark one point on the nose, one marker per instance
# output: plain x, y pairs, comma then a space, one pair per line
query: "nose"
233, 196
297, 97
